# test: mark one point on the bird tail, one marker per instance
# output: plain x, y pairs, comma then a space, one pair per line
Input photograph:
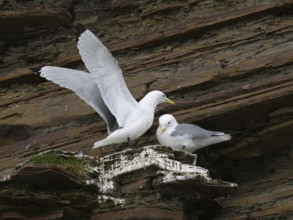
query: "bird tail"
101, 143
221, 136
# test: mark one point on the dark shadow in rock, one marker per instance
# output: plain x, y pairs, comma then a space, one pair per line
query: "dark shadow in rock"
13, 133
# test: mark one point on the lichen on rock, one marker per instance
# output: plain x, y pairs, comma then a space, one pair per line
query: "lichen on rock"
117, 181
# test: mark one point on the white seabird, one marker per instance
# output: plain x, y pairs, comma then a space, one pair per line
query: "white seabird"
104, 89
186, 137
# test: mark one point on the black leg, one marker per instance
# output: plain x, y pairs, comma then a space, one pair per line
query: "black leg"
195, 159
129, 142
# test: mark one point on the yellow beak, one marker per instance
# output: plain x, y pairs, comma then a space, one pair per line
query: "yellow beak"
170, 101
162, 130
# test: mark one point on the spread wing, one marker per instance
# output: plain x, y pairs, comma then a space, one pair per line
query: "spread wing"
107, 74
84, 85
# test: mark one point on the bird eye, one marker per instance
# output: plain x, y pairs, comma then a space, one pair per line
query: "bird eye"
169, 122
164, 96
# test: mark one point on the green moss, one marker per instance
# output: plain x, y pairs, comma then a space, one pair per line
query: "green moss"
47, 158
75, 166
72, 165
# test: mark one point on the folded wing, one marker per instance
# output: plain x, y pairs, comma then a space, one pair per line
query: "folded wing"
194, 131
107, 74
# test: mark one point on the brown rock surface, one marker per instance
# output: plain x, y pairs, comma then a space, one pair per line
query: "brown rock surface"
226, 64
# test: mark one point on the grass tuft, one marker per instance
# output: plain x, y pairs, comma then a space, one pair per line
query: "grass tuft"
72, 165
47, 158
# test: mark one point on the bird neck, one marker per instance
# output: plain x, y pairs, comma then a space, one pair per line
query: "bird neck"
148, 103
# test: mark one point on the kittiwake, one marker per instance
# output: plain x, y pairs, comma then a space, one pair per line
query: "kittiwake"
104, 89
186, 137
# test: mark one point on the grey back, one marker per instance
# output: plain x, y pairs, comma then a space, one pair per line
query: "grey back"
193, 130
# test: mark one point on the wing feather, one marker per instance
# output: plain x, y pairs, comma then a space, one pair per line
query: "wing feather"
108, 75
193, 131
84, 85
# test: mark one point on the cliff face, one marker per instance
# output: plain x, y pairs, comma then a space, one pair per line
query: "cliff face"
226, 64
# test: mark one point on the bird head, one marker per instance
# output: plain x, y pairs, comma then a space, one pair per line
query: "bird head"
165, 122
160, 97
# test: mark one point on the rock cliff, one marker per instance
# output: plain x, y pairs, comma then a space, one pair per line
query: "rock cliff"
226, 64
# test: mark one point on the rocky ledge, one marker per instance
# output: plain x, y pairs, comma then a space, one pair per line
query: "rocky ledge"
153, 181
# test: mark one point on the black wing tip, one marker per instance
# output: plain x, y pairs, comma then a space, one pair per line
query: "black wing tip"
79, 30
36, 70
218, 134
